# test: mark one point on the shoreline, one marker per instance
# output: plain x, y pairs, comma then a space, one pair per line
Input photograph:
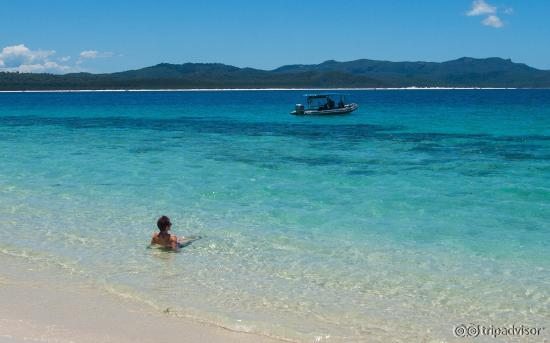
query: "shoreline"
36, 308
263, 89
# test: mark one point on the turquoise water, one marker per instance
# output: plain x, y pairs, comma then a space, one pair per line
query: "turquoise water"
420, 211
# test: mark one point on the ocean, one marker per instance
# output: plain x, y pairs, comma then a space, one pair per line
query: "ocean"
421, 211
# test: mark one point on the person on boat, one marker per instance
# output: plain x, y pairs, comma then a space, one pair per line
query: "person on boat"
341, 103
330, 103
163, 238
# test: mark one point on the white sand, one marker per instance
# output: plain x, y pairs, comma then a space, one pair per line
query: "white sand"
36, 311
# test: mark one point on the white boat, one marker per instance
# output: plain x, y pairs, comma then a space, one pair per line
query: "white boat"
322, 104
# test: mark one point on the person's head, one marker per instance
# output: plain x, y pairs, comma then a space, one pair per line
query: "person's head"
164, 224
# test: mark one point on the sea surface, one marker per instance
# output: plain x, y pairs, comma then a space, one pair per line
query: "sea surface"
422, 210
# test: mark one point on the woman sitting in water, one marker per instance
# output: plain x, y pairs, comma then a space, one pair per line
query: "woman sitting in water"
163, 238
166, 240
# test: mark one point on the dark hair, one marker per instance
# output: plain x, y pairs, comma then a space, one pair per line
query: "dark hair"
163, 223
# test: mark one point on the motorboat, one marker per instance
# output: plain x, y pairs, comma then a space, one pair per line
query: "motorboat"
323, 104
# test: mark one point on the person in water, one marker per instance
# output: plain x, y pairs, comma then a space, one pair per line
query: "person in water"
163, 238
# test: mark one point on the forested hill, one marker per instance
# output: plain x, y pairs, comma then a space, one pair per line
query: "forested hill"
462, 72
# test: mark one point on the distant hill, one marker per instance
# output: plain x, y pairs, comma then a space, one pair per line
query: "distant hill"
462, 72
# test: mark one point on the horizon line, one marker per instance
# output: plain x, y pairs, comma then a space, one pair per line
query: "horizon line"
268, 89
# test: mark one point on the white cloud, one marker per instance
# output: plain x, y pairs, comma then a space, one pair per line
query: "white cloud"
19, 58
46, 67
22, 59
16, 55
493, 21
480, 7
90, 54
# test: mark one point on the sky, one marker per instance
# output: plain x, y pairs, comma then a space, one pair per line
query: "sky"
98, 36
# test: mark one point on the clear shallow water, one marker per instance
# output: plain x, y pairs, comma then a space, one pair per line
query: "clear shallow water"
420, 211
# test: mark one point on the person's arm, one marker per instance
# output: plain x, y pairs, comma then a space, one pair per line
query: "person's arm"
153, 239
174, 242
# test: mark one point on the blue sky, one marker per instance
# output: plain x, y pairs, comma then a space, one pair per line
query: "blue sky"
106, 36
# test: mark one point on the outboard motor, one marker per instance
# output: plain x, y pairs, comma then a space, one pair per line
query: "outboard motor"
299, 109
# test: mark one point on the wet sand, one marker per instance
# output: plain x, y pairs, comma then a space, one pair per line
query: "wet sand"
34, 310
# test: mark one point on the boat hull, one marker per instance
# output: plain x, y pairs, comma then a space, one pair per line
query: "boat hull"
335, 111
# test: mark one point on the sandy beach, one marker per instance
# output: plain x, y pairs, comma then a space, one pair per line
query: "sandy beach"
37, 308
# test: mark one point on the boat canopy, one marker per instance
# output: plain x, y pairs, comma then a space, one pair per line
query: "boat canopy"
323, 96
